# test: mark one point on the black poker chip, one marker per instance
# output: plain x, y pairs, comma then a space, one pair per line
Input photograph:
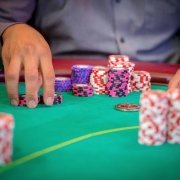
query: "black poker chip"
127, 107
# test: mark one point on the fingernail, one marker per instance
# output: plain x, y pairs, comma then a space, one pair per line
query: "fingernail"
49, 101
31, 104
14, 102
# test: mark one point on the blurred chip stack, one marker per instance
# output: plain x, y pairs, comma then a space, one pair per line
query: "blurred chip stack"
174, 117
153, 118
6, 136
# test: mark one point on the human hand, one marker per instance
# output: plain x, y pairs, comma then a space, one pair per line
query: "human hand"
175, 81
25, 48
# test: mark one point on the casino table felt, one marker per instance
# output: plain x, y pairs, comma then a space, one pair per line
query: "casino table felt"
84, 138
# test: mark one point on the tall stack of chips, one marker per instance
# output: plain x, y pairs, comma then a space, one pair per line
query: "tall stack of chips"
153, 118
122, 61
117, 84
98, 79
174, 117
6, 135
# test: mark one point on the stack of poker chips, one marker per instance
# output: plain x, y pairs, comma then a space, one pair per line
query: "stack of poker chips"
159, 117
174, 117
121, 61
6, 136
140, 81
153, 118
63, 84
57, 99
80, 74
84, 90
117, 84
98, 79
22, 100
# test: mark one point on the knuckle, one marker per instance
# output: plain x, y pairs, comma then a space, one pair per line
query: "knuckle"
31, 77
10, 76
30, 48
45, 51
50, 78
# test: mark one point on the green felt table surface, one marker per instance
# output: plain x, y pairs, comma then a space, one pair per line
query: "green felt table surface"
84, 138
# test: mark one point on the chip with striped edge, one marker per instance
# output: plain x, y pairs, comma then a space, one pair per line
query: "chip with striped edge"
127, 107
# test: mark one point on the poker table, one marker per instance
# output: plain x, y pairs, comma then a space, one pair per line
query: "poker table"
86, 138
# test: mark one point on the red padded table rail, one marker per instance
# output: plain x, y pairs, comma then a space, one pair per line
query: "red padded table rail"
160, 72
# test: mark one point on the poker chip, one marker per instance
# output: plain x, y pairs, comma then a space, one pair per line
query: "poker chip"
80, 74
63, 84
58, 99
127, 107
22, 100
6, 137
81, 90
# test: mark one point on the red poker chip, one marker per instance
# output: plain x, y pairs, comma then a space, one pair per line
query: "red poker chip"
127, 107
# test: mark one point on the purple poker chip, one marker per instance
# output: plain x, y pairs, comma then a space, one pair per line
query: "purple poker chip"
63, 84
80, 74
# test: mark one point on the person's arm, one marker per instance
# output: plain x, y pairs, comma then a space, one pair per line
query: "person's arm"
175, 81
24, 48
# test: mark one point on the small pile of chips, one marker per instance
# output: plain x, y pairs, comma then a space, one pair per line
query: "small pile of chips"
85, 90
57, 99
159, 117
6, 135
117, 79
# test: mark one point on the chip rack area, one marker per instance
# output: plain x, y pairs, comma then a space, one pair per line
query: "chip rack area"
86, 137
